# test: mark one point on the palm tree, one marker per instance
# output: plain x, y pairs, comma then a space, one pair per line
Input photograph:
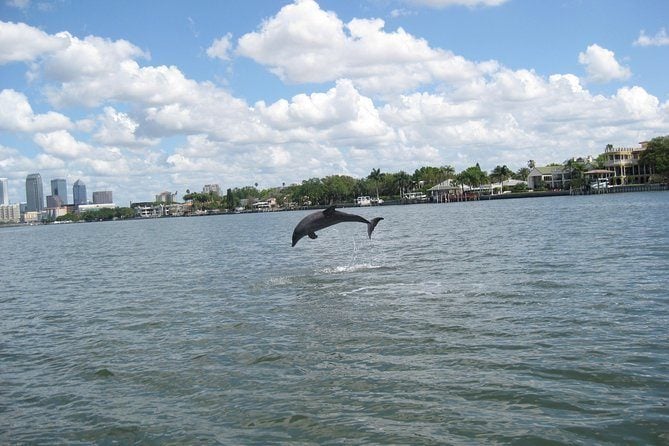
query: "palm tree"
501, 173
375, 178
448, 171
461, 179
576, 170
401, 180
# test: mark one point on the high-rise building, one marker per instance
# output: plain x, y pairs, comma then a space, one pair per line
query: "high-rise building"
212, 188
34, 193
4, 192
10, 213
79, 193
165, 197
59, 189
102, 197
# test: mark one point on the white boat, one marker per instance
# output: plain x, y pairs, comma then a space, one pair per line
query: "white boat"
600, 184
363, 201
415, 196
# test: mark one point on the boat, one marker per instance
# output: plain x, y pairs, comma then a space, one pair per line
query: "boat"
364, 200
415, 197
600, 184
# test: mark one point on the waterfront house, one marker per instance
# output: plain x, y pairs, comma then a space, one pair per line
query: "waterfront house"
625, 164
551, 177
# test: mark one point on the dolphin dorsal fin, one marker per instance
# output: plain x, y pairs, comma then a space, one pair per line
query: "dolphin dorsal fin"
329, 211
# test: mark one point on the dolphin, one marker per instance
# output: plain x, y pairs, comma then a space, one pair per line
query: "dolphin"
328, 217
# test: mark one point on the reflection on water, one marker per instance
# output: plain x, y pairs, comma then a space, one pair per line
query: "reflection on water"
535, 321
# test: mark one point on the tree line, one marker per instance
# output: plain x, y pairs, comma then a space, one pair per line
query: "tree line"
120, 213
344, 189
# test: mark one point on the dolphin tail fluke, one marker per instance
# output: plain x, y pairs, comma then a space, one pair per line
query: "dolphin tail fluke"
372, 224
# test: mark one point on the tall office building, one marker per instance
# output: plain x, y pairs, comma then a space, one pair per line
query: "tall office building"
212, 188
79, 193
4, 192
34, 193
102, 197
59, 189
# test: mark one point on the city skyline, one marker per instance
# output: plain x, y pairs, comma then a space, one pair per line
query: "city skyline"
125, 93
36, 201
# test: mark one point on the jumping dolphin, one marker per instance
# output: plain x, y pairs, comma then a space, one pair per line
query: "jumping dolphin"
322, 219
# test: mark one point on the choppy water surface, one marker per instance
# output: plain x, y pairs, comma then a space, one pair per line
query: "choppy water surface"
536, 321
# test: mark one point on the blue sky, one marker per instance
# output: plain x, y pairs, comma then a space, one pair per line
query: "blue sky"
143, 96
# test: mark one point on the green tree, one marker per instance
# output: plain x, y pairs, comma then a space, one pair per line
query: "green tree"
401, 181
448, 171
374, 179
429, 175
576, 170
230, 200
501, 173
472, 176
521, 174
656, 156
600, 161
68, 217
311, 190
338, 188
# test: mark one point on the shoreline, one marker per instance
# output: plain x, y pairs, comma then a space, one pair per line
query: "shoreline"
542, 194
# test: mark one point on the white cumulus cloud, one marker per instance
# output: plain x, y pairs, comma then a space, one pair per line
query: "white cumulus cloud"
116, 128
61, 144
23, 43
601, 65
303, 43
17, 115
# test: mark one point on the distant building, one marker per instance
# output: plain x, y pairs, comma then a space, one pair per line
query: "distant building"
34, 193
32, 217
54, 213
10, 213
95, 207
79, 193
102, 197
165, 197
59, 189
54, 201
212, 188
4, 192
153, 210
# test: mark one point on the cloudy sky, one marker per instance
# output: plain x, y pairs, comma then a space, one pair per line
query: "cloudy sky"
144, 96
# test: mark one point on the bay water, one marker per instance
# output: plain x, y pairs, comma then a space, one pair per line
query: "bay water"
527, 321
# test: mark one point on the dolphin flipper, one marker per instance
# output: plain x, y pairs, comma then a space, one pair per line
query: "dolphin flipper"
372, 224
